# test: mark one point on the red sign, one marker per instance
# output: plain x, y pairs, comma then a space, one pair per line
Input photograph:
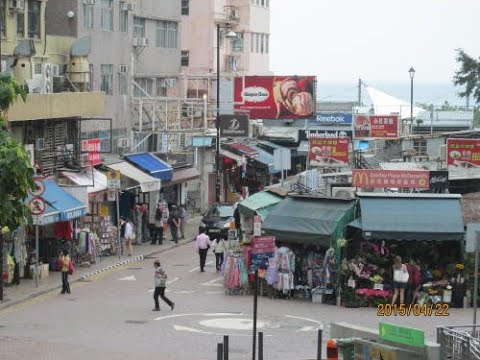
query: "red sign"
92, 149
391, 179
375, 126
463, 152
328, 151
37, 206
275, 97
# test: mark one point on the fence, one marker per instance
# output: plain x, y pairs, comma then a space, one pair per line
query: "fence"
459, 342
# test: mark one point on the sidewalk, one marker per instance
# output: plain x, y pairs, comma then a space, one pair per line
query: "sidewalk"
26, 290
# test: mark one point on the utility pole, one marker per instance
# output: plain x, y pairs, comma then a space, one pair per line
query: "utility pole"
359, 92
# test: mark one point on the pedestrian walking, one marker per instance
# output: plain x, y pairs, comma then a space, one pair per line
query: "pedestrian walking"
129, 236
158, 232
182, 212
122, 233
202, 244
174, 223
160, 278
218, 247
65, 265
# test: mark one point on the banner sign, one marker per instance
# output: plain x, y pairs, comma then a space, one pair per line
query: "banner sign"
463, 152
234, 125
91, 148
439, 179
336, 118
317, 133
376, 126
391, 179
402, 334
275, 97
331, 152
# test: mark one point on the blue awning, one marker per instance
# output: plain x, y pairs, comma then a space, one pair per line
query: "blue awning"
60, 205
266, 158
407, 217
152, 165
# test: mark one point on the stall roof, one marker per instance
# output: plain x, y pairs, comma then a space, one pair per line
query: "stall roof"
183, 175
309, 220
231, 155
152, 165
264, 157
403, 217
261, 203
146, 182
95, 181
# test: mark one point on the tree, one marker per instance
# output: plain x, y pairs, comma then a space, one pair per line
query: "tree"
16, 172
468, 75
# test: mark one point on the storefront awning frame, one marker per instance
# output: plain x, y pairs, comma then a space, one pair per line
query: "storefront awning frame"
145, 182
260, 203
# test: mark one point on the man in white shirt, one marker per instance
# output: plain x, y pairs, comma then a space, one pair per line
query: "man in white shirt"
202, 244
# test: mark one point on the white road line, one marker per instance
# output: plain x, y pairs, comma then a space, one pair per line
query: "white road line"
172, 281
184, 292
193, 330
213, 282
199, 314
213, 292
128, 278
306, 319
198, 267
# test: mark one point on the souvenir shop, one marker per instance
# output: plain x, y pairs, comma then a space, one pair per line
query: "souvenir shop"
295, 255
425, 231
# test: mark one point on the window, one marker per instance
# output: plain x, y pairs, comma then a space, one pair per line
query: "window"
138, 27
420, 146
163, 84
3, 18
122, 82
106, 78
267, 3
257, 43
167, 34
185, 7
185, 57
237, 43
252, 42
146, 84
122, 17
106, 14
34, 19
20, 25
262, 43
267, 43
87, 16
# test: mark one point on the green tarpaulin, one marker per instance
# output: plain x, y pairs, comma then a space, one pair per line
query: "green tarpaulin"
309, 220
260, 203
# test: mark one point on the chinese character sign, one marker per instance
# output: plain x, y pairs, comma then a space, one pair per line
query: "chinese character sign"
92, 148
463, 152
328, 151
391, 179
376, 126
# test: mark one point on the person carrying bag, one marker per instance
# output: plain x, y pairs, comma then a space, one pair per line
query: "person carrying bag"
400, 280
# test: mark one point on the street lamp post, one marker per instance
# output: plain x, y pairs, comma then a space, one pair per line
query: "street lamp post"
230, 34
412, 75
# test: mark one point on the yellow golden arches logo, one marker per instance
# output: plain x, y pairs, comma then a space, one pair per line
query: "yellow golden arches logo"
361, 178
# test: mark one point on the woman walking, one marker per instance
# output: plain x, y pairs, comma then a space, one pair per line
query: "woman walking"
400, 280
64, 262
218, 246
129, 236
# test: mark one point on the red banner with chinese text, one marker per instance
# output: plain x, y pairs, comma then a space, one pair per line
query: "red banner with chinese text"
463, 152
328, 151
376, 126
391, 179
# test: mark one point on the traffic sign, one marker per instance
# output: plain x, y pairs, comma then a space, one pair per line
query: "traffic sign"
37, 206
39, 187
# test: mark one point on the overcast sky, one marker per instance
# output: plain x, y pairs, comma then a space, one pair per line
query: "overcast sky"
376, 40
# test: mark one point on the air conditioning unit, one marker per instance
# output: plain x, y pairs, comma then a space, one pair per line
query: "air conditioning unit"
257, 130
233, 14
89, 2
343, 192
40, 144
124, 142
122, 69
140, 42
17, 5
442, 153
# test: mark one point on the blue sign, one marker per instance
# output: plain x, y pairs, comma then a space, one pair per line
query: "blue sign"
332, 119
202, 141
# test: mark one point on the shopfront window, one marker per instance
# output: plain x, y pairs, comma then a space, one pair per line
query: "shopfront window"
34, 19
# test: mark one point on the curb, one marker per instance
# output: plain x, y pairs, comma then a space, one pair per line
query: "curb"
110, 267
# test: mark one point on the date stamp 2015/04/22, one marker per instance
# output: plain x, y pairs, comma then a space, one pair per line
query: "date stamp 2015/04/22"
413, 309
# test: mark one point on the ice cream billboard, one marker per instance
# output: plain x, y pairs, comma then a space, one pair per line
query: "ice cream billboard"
375, 126
391, 179
463, 152
328, 151
275, 97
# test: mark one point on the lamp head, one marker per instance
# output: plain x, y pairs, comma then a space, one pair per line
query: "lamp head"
412, 72
231, 35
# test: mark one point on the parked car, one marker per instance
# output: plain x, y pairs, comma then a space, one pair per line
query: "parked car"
216, 220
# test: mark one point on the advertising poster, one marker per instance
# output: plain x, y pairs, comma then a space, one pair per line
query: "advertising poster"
337, 118
463, 153
275, 97
234, 125
328, 152
376, 126
418, 179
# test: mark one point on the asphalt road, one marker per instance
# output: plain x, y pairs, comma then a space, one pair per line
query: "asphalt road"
111, 317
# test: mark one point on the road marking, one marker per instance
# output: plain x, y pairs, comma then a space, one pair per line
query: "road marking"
198, 314
184, 292
128, 278
232, 323
306, 319
213, 282
172, 281
307, 328
193, 330
198, 267
213, 292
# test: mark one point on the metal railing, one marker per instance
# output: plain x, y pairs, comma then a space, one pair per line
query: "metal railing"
459, 342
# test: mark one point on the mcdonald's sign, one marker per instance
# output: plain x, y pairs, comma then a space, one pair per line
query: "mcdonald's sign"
418, 179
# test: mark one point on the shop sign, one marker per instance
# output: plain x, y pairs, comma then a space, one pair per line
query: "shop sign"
328, 152
202, 141
391, 179
234, 125
111, 195
149, 186
375, 126
463, 153
114, 179
275, 97
91, 152
402, 335
320, 133
103, 211
263, 244
438, 179
257, 226
335, 118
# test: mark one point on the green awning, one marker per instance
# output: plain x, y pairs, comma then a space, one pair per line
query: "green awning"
309, 220
407, 217
260, 203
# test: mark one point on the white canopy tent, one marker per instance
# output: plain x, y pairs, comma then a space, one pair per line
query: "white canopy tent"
384, 104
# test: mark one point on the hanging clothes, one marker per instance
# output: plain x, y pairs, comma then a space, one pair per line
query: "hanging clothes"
63, 230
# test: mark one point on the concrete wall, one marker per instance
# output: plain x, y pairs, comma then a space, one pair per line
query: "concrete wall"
433, 146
